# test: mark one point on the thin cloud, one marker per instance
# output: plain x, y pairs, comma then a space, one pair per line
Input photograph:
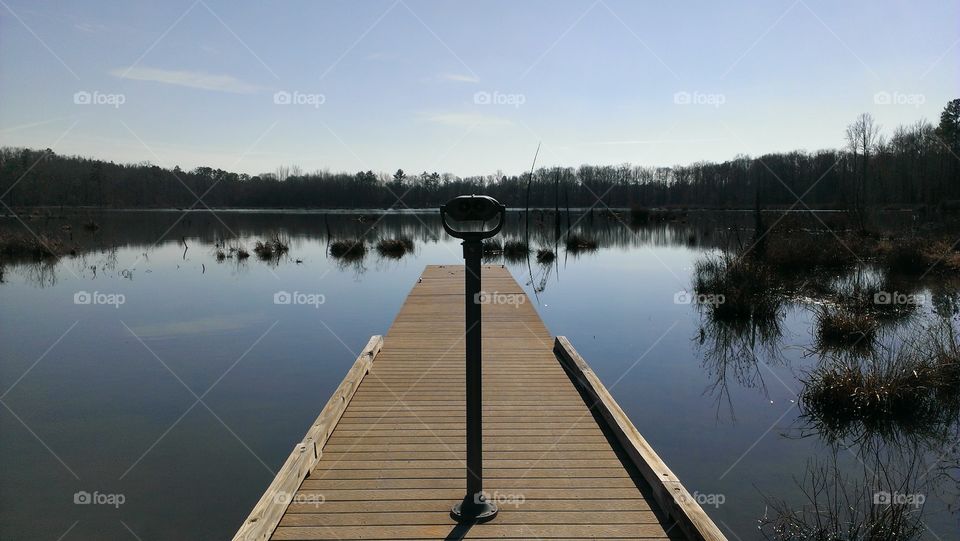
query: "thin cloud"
651, 141
467, 120
460, 78
191, 79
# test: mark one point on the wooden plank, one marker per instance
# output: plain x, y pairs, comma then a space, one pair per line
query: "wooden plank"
667, 489
457, 473
263, 519
484, 531
524, 517
442, 507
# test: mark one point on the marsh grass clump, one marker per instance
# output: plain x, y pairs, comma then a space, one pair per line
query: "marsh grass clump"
350, 249
271, 248
27, 247
917, 386
220, 255
394, 248
578, 243
845, 327
264, 250
515, 250
545, 255
491, 247
742, 289
807, 251
908, 256
839, 508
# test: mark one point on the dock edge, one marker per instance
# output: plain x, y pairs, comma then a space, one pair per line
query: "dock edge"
669, 493
265, 516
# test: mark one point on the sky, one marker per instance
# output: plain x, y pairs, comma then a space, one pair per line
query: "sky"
468, 88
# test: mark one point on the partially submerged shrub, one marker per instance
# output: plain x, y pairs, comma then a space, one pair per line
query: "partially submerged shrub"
515, 250
394, 248
348, 249
272, 248
907, 256
917, 385
579, 243
806, 251
739, 289
264, 250
840, 508
492, 247
545, 255
845, 327
23, 246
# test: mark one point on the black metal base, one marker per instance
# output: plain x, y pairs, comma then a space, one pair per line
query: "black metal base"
470, 511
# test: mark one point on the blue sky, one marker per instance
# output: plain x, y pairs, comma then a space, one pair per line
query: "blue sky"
463, 87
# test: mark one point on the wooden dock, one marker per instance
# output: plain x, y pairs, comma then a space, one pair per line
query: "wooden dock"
386, 457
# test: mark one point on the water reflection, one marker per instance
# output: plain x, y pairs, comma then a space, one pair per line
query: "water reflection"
208, 266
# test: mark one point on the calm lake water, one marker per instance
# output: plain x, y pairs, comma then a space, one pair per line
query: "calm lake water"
145, 370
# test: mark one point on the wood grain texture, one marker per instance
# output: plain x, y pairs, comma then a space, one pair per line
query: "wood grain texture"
393, 459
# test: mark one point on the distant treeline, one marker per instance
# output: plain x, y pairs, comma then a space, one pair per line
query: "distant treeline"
917, 164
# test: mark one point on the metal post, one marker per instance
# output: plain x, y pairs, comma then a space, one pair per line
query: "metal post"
471, 255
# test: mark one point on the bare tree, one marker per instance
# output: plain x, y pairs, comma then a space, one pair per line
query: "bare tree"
862, 138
